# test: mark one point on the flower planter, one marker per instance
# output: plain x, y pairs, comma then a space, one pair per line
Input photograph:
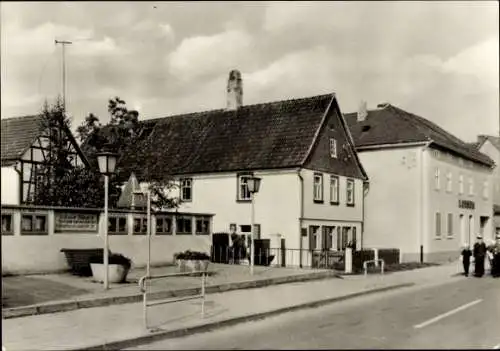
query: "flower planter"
192, 265
117, 273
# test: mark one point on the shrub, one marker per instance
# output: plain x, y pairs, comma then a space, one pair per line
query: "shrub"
358, 257
191, 255
113, 259
390, 256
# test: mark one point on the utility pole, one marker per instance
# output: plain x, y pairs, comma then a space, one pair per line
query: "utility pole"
63, 43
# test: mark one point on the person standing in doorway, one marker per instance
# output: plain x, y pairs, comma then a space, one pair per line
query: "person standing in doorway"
466, 254
479, 255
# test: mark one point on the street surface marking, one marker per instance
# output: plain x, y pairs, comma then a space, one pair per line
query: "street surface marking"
449, 313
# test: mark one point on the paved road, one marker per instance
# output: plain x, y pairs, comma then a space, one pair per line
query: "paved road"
464, 313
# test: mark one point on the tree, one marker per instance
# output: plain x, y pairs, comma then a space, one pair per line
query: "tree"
124, 130
65, 184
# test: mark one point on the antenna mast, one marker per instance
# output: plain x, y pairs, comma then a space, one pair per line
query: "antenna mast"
63, 43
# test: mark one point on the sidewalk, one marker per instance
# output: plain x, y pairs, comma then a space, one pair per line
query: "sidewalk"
121, 326
49, 293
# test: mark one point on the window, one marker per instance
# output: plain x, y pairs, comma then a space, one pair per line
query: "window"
471, 186
461, 184
438, 224
345, 238
436, 179
203, 225
187, 189
117, 225
7, 224
448, 182
339, 238
350, 192
485, 189
330, 233
140, 225
354, 239
333, 148
184, 225
33, 224
163, 225
314, 240
318, 187
243, 192
450, 224
334, 190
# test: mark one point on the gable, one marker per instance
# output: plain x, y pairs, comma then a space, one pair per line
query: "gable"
346, 163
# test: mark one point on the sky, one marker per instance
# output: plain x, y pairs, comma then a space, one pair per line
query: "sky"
439, 60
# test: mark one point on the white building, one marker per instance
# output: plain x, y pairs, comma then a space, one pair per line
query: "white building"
429, 191
490, 145
311, 194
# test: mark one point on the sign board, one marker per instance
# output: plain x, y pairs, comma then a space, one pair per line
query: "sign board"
76, 222
467, 204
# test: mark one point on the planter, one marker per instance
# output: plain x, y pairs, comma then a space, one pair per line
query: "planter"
117, 272
192, 265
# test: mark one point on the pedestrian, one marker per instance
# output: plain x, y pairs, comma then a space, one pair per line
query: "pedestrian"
466, 254
495, 262
479, 253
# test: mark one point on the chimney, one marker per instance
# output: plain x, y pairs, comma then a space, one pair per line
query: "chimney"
362, 111
234, 91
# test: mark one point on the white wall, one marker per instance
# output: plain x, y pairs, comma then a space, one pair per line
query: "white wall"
489, 149
393, 201
277, 205
10, 186
23, 254
444, 201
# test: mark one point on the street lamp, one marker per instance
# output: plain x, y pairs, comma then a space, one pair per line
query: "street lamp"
107, 163
148, 194
253, 187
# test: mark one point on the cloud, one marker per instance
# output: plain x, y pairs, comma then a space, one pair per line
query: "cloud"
167, 30
205, 55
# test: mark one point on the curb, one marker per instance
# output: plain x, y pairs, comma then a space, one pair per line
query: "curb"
161, 335
71, 305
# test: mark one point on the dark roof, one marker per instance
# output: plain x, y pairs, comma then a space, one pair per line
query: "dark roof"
261, 136
18, 133
493, 139
392, 125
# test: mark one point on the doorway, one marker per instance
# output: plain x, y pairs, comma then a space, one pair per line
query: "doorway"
471, 228
462, 229
483, 222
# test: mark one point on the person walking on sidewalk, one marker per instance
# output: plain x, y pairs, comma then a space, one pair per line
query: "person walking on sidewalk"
466, 254
495, 262
479, 255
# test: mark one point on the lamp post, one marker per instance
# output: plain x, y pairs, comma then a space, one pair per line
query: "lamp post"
107, 163
148, 195
253, 187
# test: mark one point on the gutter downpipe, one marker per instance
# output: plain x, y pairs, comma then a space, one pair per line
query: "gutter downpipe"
422, 201
301, 179
366, 190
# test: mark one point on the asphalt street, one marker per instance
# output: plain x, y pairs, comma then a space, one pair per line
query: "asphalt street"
461, 314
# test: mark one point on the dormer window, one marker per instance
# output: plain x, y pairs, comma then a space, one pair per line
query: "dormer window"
333, 148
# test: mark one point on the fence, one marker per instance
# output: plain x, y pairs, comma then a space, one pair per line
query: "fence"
280, 257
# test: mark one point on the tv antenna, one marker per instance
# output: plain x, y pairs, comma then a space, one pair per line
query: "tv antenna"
63, 43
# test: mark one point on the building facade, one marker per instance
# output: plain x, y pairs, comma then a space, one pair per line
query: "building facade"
312, 183
429, 192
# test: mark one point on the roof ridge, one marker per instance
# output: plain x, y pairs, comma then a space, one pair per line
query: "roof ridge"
193, 114
401, 113
20, 117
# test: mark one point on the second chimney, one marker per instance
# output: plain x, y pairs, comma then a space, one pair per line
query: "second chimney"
234, 90
362, 111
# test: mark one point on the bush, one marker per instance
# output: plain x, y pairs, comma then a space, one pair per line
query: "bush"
191, 255
113, 259
358, 257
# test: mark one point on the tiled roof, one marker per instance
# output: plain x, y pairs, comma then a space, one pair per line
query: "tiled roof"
262, 136
392, 125
127, 198
18, 133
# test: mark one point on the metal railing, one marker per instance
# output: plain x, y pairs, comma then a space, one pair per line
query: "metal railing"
365, 265
281, 257
147, 304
